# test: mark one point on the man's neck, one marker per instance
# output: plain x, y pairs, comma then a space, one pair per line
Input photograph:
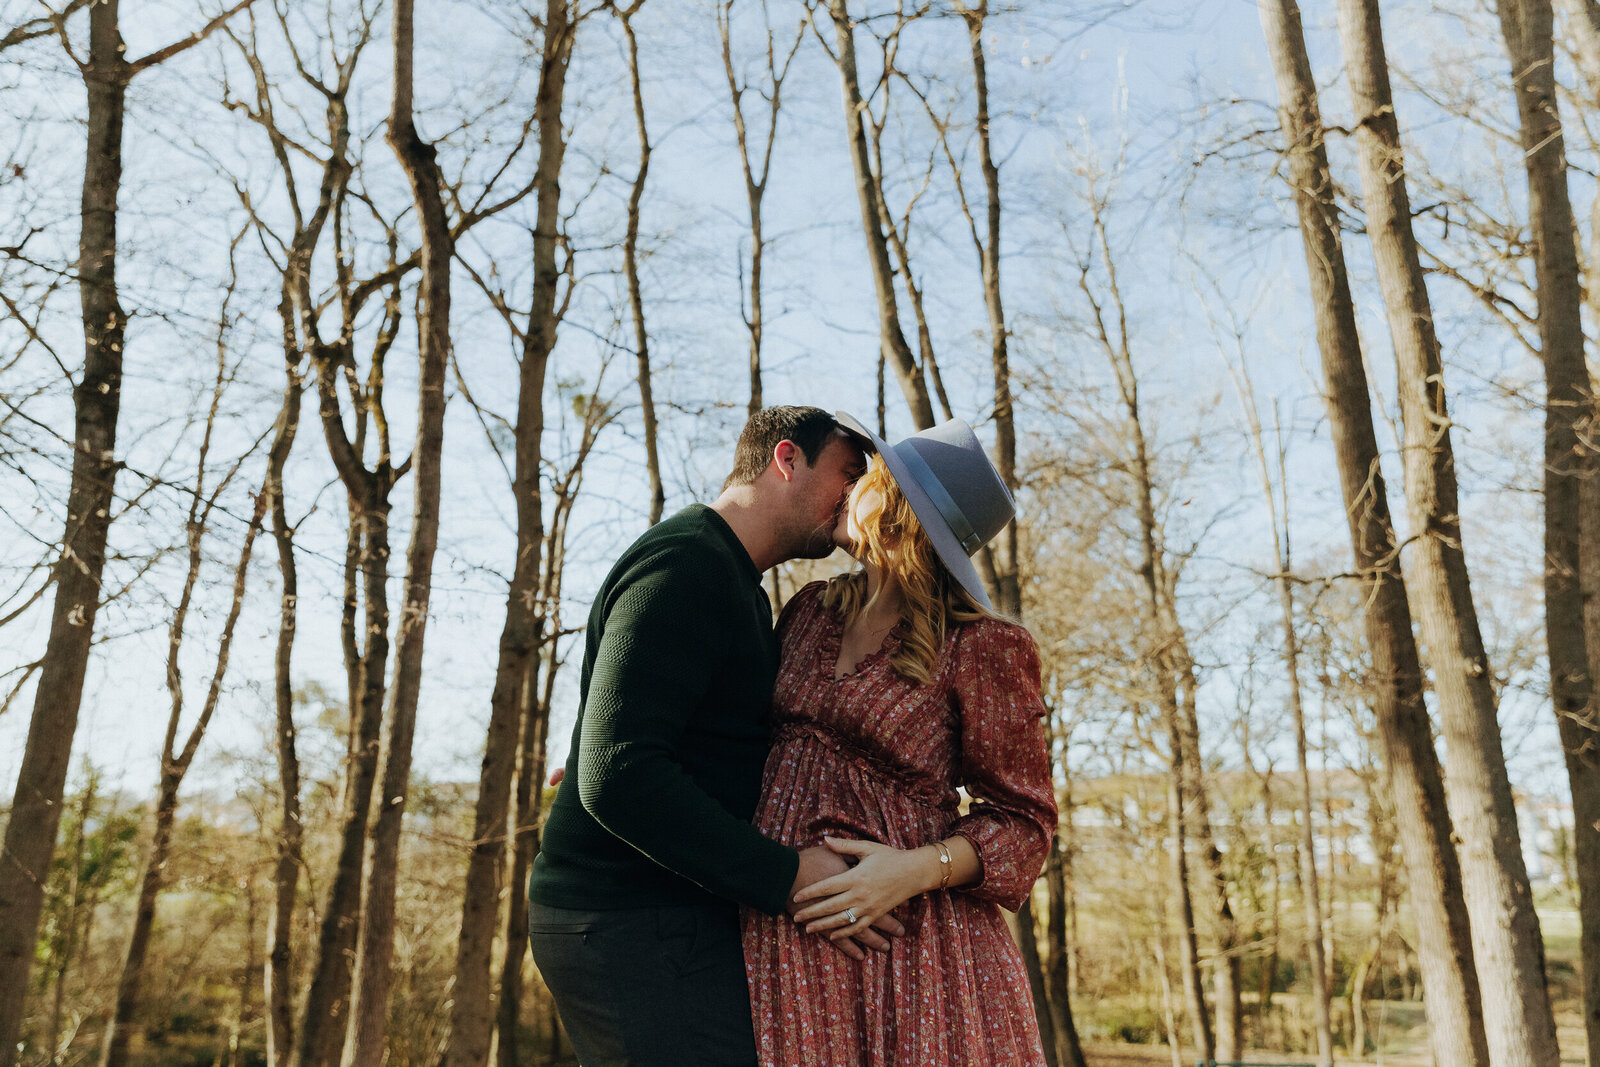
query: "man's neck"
744, 515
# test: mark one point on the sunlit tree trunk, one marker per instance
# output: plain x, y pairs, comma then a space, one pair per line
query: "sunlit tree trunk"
873, 223
1444, 945
1506, 942
370, 1001
1570, 469
36, 808
523, 631
35, 817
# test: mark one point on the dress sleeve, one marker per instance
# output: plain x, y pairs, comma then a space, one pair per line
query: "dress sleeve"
1005, 761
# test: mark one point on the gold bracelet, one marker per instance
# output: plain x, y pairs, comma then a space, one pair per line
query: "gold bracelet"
944, 864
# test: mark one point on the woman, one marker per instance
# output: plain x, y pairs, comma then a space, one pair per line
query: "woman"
898, 685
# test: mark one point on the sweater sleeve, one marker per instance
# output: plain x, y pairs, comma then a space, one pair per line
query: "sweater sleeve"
650, 672
1005, 761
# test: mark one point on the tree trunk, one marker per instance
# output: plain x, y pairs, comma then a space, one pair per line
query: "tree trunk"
75, 903
523, 846
114, 1051
523, 631
755, 188
1308, 857
1507, 946
893, 340
630, 268
369, 1004
30, 837
320, 1031
1282, 559
1056, 973
1228, 1007
1028, 941
175, 764
1168, 1010
1444, 946
1269, 964
1006, 563
1188, 943
1569, 465
277, 980
1172, 668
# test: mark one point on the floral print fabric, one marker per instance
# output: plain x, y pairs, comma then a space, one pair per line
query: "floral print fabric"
873, 756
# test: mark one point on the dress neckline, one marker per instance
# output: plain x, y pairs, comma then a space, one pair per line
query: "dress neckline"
832, 644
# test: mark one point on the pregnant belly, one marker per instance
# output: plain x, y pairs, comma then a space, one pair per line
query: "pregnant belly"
816, 785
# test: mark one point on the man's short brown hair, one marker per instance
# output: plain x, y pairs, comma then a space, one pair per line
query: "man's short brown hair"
809, 428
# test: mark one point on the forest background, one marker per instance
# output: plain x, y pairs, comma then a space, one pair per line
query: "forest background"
343, 345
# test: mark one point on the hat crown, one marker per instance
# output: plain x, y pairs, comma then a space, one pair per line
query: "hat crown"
952, 488
949, 464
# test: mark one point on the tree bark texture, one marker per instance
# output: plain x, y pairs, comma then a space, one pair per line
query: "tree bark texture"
41, 779
369, 1004
1507, 946
1444, 945
522, 846
523, 631
1569, 461
278, 991
319, 1034
873, 224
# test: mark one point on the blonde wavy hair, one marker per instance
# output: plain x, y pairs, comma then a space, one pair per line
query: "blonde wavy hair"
893, 540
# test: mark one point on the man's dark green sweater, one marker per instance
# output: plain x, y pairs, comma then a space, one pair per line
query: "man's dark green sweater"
671, 739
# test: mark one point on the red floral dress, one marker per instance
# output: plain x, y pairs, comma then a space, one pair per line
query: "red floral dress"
872, 756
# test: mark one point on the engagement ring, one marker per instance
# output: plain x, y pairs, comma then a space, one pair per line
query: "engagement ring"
850, 917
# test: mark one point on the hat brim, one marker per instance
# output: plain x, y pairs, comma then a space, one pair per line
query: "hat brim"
944, 542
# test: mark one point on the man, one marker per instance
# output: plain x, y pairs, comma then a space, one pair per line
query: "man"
648, 849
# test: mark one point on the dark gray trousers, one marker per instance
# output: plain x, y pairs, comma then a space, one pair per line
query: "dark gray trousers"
642, 986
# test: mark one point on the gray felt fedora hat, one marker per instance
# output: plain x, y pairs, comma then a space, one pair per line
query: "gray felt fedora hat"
952, 488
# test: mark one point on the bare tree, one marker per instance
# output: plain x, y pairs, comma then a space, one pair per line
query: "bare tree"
418, 158
1569, 466
523, 632
875, 219
630, 263
755, 187
1168, 668
595, 414
1277, 500
1507, 946
318, 1033
1444, 945
36, 807
175, 763
297, 312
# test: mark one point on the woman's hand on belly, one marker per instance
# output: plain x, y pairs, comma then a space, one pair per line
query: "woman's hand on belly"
882, 879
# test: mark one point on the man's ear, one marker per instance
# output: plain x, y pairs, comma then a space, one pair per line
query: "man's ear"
784, 457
